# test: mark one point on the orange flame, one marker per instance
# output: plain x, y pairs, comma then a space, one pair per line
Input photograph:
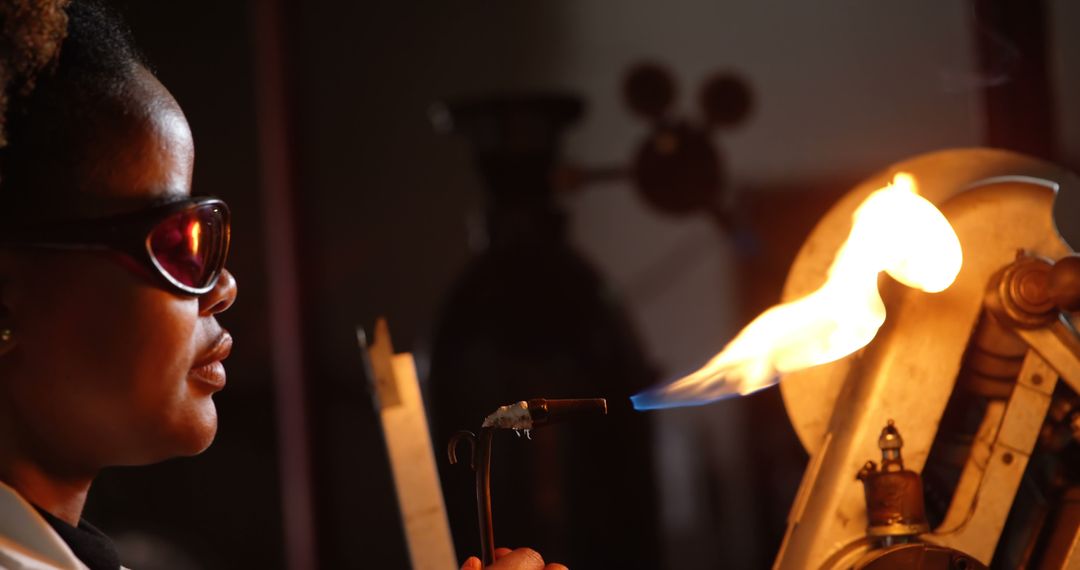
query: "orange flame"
195, 233
893, 230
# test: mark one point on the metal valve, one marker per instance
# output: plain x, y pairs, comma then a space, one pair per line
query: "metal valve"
894, 495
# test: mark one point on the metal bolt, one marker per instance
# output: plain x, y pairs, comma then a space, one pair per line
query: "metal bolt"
1037, 379
1007, 458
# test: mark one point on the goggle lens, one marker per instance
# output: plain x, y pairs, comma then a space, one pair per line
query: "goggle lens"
190, 246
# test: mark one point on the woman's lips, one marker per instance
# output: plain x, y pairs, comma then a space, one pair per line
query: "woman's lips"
208, 369
211, 375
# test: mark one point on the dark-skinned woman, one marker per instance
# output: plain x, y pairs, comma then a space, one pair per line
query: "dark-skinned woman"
111, 278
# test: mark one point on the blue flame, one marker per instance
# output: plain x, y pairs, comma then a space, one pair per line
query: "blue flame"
662, 397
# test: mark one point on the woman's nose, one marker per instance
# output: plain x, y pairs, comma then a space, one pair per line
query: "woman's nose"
221, 297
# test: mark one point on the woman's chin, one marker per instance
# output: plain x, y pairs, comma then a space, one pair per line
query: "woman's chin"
175, 441
201, 431
191, 433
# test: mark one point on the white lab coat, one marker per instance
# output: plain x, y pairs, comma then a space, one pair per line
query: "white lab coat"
27, 542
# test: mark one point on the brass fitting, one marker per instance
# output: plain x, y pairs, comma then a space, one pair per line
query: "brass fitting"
894, 495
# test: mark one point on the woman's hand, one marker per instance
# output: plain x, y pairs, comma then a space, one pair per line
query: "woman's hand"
520, 559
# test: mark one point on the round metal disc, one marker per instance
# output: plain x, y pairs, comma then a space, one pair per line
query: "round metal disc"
810, 394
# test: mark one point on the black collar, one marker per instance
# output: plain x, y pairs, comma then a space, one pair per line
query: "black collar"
88, 543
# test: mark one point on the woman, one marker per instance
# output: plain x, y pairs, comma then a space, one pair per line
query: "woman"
111, 277
109, 352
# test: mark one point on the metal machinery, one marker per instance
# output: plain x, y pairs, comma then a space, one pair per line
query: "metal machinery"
970, 376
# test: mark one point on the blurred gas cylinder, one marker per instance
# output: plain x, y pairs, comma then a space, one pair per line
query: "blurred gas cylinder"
529, 317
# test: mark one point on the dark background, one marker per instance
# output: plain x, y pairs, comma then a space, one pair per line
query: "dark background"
383, 210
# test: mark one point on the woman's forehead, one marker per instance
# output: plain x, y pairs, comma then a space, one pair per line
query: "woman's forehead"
123, 152
143, 150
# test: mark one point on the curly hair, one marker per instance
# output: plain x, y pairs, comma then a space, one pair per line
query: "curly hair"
31, 32
58, 58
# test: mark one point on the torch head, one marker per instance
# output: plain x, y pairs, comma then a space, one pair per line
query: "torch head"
544, 411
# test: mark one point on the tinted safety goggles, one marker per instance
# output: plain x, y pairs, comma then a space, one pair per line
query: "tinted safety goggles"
184, 242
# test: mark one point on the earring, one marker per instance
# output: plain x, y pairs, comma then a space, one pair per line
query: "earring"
7, 340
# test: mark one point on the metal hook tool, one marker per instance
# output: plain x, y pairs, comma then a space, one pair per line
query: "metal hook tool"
479, 448
522, 416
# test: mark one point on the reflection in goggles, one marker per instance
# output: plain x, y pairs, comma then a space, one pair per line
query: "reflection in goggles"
187, 246
195, 230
